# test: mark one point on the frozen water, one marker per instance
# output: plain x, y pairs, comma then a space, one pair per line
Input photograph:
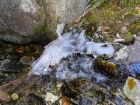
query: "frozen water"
65, 45
98, 48
60, 28
80, 40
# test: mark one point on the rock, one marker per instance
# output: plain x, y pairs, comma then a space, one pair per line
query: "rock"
132, 90
14, 96
26, 60
64, 11
49, 97
35, 99
70, 94
10, 66
129, 54
4, 97
85, 101
105, 67
21, 20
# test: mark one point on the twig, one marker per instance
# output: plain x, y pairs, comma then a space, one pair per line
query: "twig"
87, 11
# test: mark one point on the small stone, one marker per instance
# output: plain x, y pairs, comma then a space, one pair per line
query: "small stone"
20, 50
124, 29
51, 97
26, 60
14, 96
65, 102
132, 90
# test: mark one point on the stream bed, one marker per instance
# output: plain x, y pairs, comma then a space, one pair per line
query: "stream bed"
78, 79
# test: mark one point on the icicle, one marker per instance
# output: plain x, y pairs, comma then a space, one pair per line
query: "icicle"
60, 28
80, 41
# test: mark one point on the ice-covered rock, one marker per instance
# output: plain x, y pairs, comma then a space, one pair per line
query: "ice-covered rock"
132, 90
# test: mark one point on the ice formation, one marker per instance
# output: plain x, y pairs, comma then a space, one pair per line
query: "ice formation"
53, 53
65, 45
98, 48
80, 40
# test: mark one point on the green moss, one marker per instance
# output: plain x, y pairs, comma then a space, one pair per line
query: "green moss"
90, 34
41, 29
95, 17
85, 22
130, 3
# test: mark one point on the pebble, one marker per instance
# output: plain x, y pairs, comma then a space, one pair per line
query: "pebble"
51, 97
14, 96
26, 60
132, 90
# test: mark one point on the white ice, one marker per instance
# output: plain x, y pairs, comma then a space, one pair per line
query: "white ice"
52, 54
65, 45
98, 48
80, 40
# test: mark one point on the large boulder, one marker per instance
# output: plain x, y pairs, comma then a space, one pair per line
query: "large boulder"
23, 21
21, 18
67, 11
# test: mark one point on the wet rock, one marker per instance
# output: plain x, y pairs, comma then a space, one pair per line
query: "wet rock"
49, 97
105, 66
20, 50
26, 60
65, 102
129, 54
134, 68
132, 90
4, 97
85, 101
70, 94
10, 66
35, 99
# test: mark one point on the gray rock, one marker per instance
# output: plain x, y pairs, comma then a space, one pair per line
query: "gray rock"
21, 20
10, 66
129, 54
64, 11
132, 90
